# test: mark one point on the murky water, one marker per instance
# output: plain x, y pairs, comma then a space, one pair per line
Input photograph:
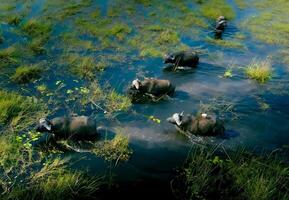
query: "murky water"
158, 148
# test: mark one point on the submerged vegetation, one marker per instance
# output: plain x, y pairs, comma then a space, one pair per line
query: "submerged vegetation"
259, 70
27, 74
212, 9
54, 181
36, 28
9, 56
235, 175
226, 43
85, 66
271, 24
116, 149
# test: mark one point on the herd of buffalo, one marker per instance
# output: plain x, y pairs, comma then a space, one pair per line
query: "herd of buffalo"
150, 89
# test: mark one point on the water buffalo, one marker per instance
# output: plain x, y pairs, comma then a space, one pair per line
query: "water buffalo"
75, 128
182, 59
221, 23
202, 125
154, 89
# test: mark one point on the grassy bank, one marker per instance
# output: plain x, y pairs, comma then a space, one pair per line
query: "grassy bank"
235, 175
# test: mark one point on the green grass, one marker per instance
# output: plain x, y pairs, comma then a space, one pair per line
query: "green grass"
117, 102
27, 74
228, 73
226, 43
167, 36
15, 108
10, 152
72, 40
116, 149
260, 71
85, 66
54, 181
212, 9
9, 55
36, 28
14, 19
36, 45
119, 30
232, 175
270, 25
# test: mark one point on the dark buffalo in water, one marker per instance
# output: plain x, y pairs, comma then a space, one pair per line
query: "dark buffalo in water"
150, 88
202, 125
182, 59
75, 128
220, 26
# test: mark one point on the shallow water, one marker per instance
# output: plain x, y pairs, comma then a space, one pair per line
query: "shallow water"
158, 148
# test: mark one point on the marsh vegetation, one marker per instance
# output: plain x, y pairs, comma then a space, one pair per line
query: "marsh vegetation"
79, 57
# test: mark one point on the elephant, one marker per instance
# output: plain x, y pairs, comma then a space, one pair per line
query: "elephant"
182, 59
200, 125
75, 128
150, 88
221, 23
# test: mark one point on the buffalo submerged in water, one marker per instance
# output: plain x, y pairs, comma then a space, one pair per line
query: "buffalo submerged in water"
150, 89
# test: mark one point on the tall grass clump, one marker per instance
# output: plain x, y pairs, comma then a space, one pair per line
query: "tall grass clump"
10, 152
9, 55
15, 108
36, 28
240, 175
259, 70
117, 102
85, 66
27, 74
116, 149
54, 181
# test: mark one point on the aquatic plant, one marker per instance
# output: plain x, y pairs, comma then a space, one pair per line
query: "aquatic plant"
10, 154
85, 66
270, 25
117, 102
212, 9
228, 73
168, 37
231, 175
71, 40
36, 45
7, 6
36, 28
27, 74
14, 19
9, 55
150, 52
41, 88
259, 70
116, 149
226, 43
20, 112
54, 181
119, 30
